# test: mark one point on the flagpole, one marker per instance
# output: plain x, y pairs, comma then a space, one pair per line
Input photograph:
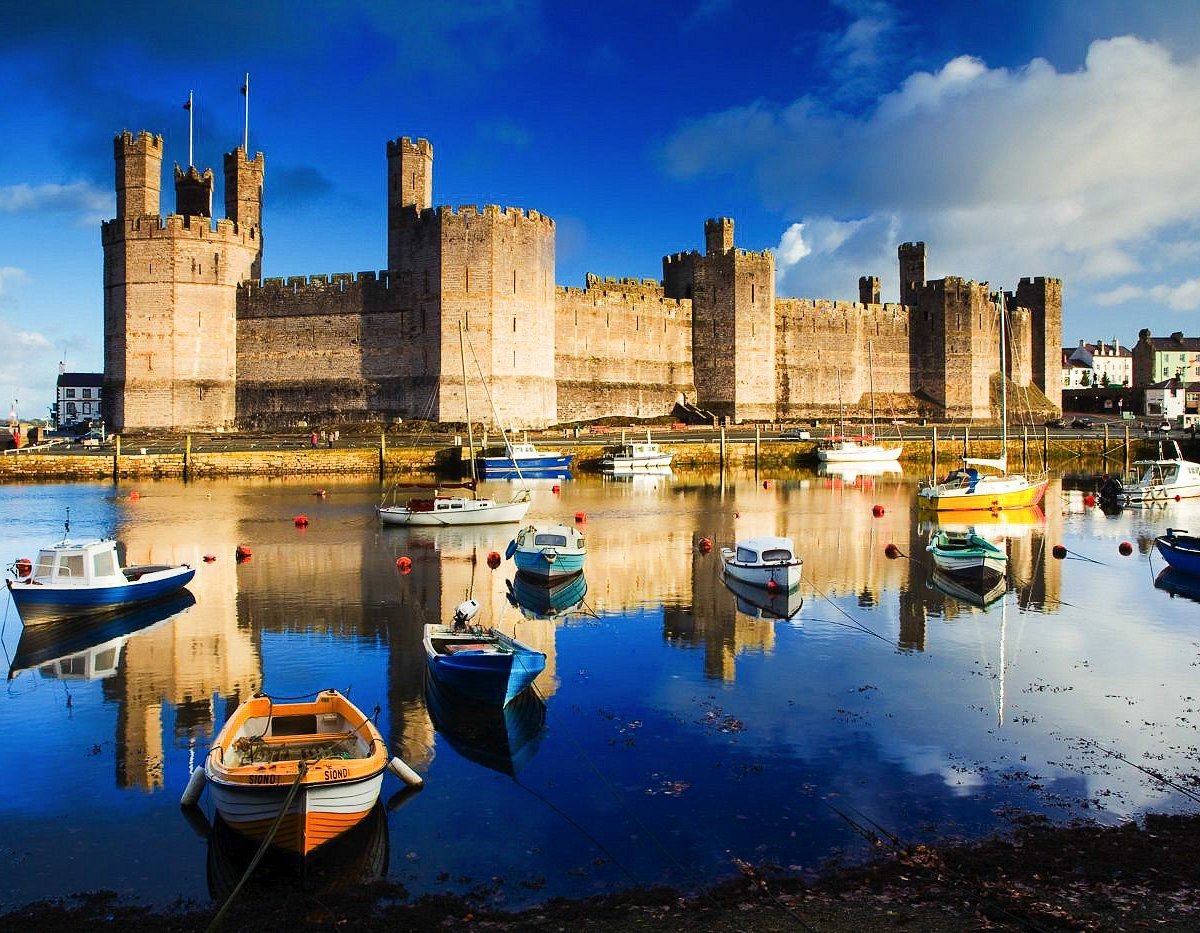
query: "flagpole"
191, 117
246, 131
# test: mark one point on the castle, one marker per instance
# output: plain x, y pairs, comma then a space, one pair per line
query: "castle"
195, 339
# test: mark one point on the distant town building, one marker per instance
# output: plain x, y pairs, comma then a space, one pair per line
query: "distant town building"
1110, 363
1076, 374
78, 398
1173, 399
1157, 359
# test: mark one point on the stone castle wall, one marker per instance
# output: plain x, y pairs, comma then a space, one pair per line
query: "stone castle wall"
621, 348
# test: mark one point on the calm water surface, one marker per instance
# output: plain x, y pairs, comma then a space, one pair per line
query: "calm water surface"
681, 729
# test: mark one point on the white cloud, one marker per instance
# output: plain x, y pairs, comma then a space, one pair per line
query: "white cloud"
1002, 172
11, 275
28, 367
79, 197
1185, 296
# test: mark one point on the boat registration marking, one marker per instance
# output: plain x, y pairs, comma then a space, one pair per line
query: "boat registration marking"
336, 774
264, 778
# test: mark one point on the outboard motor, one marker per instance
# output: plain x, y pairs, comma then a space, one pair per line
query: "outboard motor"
465, 612
1111, 500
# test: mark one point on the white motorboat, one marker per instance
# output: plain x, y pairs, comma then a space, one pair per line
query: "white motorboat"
864, 449
769, 562
637, 457
1162, 480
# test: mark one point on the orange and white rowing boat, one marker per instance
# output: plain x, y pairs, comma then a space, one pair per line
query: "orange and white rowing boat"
319, 763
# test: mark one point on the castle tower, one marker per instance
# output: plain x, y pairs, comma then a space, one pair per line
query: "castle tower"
139, 173
869, 291
409, 185
733, 327
954, 346
193, 192
169, 300
1017, 355
912, 271
1043, 297
244, 198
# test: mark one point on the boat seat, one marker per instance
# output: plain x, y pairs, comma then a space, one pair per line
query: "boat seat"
468, 646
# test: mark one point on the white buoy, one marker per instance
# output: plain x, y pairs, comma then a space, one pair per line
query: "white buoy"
405, 773
195, 787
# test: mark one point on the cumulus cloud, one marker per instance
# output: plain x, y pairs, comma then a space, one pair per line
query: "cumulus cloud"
1183, 296
1003, 172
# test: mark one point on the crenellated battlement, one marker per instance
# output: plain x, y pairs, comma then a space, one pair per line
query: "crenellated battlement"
175, 226
337, 281
1041, 280
419, 146
144, 141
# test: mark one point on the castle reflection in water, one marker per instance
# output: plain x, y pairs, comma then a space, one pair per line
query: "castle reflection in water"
337, 580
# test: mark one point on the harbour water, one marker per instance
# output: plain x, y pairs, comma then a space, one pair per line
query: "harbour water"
676, 731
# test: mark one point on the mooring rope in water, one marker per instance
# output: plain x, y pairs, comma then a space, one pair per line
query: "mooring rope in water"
1157, 775
262, 849
854, 623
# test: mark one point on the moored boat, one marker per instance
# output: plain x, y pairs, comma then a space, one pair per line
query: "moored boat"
1180, 550
1162, 480
968, 557
320, 763
523, 459
439, 510
549, 550
769, 562
72, 579
637, 457
481, 663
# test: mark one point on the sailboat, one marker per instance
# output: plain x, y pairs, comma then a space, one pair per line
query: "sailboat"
457, 510
968, 489
843, 449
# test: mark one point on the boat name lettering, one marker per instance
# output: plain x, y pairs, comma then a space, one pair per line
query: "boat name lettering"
336, 774
264, 779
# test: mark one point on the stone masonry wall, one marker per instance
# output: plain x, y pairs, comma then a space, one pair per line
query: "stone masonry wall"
622, 348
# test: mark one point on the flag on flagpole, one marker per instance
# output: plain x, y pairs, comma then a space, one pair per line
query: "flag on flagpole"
187, 105
244, 90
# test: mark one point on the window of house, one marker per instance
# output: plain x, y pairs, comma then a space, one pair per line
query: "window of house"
87, 393
70, 393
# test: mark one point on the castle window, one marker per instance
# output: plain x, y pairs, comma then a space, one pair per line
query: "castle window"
514, 325
466, 280
751, 293
514, 281
152, 268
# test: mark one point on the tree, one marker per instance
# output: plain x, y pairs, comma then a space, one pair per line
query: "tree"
1104, 380
1087, 379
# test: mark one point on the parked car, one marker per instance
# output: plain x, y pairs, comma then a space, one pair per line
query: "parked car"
94, 438
795, 434
1083, 423
1055, 423
1164, 426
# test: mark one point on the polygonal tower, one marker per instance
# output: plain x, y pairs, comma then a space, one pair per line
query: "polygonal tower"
409, 185
170, 298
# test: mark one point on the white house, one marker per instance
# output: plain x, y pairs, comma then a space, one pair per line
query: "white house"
1167, 399
1111, 364
78, 397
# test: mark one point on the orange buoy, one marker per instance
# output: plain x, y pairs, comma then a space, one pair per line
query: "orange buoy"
134, 494
581, 516
404, 564
1089, 500
209, 558
1125, 548
493, 559
300, 521
24, 566
1059, 552
705, 545
243, 553
891, 552
766, 484
555, 489
1176, 497
877, 511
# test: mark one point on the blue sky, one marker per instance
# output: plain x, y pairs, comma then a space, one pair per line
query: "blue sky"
1041, 138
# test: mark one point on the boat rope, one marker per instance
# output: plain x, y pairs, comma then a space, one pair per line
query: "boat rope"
496, 417
1157, 775
854, 623
262, 849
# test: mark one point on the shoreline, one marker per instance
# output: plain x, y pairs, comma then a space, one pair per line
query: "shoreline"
1037, 876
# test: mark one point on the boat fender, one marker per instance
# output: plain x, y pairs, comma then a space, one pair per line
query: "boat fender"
1125, 548
405, 773
766, 484
300, 521
877, 511
772, 586
195, 787
1177, 497
134, 495
209, 558
581, 516
511, 549
320, 493
1059, 552
23, 567
1089, 501
493, 560
404, 564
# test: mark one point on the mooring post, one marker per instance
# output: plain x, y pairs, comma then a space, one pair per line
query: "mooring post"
187, 457
117, 458
933, 454
1025, 449
966, 440
1045, 448
1106, 440
382, 453
722, 448
757, 447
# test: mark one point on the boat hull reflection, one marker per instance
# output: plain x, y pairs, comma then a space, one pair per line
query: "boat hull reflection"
759, 603
979, 593
90, 649
541, 599
1178, 583
500, 738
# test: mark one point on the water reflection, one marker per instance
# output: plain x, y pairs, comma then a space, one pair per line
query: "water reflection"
500, 738
1178, 583
704, 711
757, 602
538, 598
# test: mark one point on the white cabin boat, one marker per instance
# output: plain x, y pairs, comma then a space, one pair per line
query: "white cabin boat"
769, 562
1162, 480
637, 457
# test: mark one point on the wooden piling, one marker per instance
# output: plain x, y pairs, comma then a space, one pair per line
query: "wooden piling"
382, 454
187, 457
117, 458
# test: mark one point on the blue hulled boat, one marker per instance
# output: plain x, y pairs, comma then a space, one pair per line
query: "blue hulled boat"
71, 579
1180, 550
548, 550
481, 663
524, 459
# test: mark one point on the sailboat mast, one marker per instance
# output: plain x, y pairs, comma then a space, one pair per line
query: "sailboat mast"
462, 353
871, 382
1003, 386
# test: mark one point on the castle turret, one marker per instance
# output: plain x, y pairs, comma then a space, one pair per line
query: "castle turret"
718, 235
912, 271
244, 198
193, 192
139, 173
869, 291
410, 185
1043, 297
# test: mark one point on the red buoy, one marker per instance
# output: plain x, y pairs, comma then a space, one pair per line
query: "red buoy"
1090, 501
705, 545
404, 564
301, 521
877, 511
493, 559
581, 516
134, 495
1176, 497
1059, 552
243, 553
772, 586
209, 558
556, 489
766, 484
891, 552
1125, 548
24, 566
